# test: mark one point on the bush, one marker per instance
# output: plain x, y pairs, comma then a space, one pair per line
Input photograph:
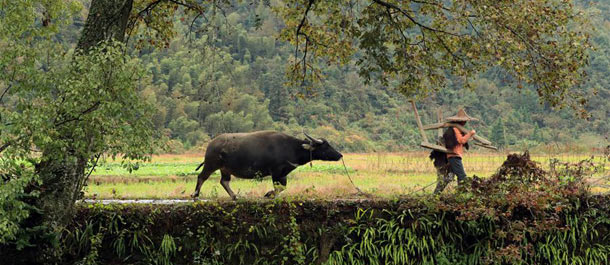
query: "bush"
413, 230
13, 210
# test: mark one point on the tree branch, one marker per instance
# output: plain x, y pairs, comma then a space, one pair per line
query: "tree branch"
452, 53
201, 14
473, 28
9, 143
397, 8
526, 42
298, 32
140, 15
8, 86
395, 23
4, 146
184, 4
304, 18
433, 4
85, 112
5, 91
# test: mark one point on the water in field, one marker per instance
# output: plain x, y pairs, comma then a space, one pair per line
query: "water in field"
381, 174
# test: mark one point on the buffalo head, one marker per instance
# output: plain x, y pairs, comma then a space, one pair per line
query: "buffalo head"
321, 150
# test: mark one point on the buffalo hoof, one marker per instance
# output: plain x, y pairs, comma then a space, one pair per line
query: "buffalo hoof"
270, 194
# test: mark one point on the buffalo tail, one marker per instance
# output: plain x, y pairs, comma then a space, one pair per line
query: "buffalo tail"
200, 165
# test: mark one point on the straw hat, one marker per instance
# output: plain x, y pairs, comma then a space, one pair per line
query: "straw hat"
461, 116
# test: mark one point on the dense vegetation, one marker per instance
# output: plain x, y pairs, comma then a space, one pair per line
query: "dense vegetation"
543, 218
229, 76
308, 232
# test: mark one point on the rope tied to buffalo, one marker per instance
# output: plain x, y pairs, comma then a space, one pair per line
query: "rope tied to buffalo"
366, 194
358, 190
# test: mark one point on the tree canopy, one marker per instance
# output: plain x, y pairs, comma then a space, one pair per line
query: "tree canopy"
414, 46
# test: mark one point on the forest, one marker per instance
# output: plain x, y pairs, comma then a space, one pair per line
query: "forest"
228, 74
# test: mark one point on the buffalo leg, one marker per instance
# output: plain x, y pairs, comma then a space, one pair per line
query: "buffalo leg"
203, 176
225, 177
279, 185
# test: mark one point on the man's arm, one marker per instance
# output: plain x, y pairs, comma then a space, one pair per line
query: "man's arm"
462, 139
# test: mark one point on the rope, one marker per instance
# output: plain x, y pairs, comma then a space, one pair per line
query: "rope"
359, 192
423, 188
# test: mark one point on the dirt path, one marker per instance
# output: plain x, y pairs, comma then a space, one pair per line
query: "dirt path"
179, 201
140, 201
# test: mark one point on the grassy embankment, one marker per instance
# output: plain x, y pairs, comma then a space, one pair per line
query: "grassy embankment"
382, 174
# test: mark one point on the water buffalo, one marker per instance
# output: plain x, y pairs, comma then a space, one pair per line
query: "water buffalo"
259, 154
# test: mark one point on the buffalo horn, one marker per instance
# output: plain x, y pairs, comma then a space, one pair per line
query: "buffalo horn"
318, 141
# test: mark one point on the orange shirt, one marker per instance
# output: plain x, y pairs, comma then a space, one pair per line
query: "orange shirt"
461, 139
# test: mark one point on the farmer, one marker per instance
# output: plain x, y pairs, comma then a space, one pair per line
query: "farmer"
443, 170
454, 141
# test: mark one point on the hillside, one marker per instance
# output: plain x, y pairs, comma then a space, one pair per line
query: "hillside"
228, 75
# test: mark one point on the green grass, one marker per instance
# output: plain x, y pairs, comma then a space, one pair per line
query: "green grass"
147, 169
187, 169
313, 185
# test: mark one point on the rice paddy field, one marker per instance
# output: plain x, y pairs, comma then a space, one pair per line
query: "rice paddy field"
382, 174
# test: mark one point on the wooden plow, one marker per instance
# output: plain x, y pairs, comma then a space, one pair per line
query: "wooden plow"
478, 140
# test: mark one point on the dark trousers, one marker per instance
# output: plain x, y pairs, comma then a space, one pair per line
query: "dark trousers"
457, 167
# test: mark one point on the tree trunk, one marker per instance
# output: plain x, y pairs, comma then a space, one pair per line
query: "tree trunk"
63, 176
60, 187
107, 20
